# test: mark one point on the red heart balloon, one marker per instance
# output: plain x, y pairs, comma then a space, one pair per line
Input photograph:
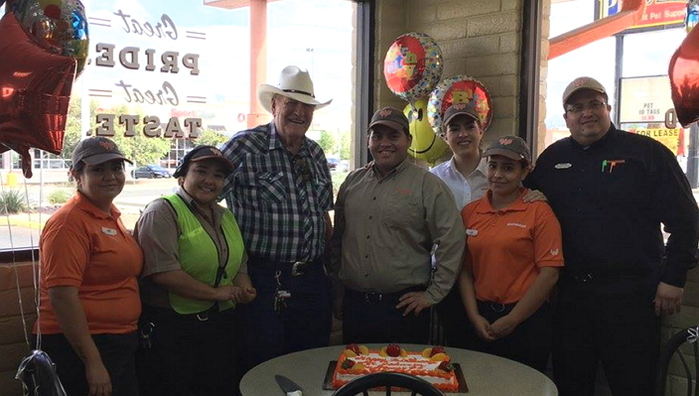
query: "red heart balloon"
35, 88
684, 80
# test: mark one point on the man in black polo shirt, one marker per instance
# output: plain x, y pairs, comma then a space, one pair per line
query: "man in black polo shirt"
611, 190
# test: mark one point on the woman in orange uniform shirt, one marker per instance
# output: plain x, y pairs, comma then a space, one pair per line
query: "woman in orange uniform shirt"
89, 280
514, 256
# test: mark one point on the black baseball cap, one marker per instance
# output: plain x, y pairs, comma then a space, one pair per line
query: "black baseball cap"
201, 153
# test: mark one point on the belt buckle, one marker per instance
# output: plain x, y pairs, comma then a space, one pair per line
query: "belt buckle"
296, 270
203, 316
373, 298
584, 278
497, 307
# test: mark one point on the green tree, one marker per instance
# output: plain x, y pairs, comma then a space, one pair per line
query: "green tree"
138, 148
71, 136
210, 138
327, 142
345, 145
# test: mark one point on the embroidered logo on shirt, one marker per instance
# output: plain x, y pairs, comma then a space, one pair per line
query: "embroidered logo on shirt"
109, 231
563, 165
471, 232
520, 225
611, 164
554, 252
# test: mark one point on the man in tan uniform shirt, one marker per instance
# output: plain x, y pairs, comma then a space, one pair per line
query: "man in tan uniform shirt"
388, 215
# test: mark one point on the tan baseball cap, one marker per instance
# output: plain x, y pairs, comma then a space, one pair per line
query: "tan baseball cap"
392, 118
512, 147
581, 83
96, 150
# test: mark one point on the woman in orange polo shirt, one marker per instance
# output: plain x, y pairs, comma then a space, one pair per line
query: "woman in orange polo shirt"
90, 304
514, 256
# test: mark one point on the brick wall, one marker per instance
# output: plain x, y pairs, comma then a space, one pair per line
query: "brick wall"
478, 38
13, 347
688, 316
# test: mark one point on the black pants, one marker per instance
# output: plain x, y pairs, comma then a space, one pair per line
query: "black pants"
529, 343
453, 319
609, 322
117, 353
373, 318
187, 356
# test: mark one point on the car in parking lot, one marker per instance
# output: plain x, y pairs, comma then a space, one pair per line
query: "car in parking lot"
333, 163
150, 172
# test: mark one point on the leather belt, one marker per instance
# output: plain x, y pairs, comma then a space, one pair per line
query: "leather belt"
376, 298
297, 268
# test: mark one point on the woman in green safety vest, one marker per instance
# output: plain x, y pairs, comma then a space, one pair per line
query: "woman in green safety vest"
193, 276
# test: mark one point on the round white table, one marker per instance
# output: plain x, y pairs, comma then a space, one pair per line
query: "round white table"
485, 374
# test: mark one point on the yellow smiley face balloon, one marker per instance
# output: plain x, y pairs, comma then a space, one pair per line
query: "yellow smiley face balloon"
426, 145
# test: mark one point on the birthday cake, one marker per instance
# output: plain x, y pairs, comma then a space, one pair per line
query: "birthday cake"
432, 364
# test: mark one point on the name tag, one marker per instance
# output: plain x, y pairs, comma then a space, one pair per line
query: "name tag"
109, 231
471, 232
565, 165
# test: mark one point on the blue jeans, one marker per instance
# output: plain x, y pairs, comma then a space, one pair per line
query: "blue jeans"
304, 323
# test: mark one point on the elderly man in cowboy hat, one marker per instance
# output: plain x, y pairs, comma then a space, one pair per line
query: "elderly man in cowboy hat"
281, 192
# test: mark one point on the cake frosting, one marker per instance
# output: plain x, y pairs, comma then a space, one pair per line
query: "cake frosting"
431, 364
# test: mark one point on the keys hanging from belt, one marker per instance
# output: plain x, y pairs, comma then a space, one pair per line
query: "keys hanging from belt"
280, 295
145, 335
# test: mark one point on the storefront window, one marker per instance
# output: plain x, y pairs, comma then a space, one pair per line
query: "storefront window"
180, 64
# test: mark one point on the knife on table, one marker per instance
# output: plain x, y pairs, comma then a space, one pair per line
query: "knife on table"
289, 387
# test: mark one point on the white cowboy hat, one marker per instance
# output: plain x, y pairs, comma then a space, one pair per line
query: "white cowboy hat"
293, 83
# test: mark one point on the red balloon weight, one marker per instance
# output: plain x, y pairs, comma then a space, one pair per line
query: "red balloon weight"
35, 88
684, 79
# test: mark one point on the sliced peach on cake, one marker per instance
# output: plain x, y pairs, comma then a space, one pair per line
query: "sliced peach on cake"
357, 368
382, 352
403, 353
349, 353
440, 357
363, 350
427, 352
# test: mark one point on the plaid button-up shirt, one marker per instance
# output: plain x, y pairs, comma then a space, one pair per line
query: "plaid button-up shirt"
279, 199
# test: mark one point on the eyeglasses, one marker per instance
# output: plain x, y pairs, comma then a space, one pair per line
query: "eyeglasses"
302, 169
580, 107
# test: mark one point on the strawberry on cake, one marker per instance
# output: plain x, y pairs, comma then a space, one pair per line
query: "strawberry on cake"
432, 364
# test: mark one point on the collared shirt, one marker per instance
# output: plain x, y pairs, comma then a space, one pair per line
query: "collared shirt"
611, 198
507, 246
158, 232
385, 228
84, 247
465, 189
279, 199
